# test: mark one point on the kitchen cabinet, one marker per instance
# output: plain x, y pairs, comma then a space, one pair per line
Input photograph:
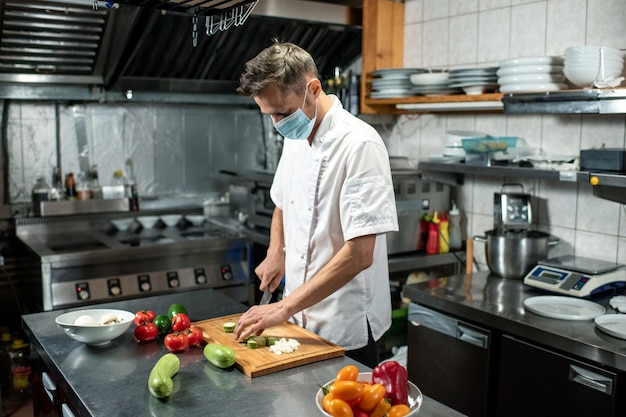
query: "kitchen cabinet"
531, 375
450, 360
536, 365
383, 47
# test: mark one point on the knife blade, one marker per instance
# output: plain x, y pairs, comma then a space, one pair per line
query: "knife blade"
267, 296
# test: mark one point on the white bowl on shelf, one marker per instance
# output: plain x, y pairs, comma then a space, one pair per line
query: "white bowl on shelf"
91, 326
584, 77
171, 220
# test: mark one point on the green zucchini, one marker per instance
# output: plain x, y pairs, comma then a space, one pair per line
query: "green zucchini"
160, 381
220, 355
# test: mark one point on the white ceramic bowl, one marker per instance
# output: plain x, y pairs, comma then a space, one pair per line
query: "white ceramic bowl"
87, 326
171, 220
148, 222
591, 50
122, 224
584, 77
196, 219
415, 395
430, 78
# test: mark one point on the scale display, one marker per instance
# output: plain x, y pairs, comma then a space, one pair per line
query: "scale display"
576, 276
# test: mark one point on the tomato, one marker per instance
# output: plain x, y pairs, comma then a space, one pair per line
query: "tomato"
146, 332
180, 322
326, 403
176, 342
143, 317
346, 390
347, 373
381, 408
339, 408
398, 410
372, 396
195, 335
175, 309
163, 323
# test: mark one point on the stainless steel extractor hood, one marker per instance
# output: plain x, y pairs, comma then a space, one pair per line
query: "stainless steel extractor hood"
53, 46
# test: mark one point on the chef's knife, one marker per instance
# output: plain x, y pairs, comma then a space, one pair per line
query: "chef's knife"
267, 296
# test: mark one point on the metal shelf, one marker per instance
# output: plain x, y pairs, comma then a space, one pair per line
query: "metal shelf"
606, 185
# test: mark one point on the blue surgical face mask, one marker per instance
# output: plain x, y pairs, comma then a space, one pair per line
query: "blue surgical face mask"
297, 125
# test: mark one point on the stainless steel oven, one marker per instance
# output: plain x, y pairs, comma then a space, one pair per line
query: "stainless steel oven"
86, 260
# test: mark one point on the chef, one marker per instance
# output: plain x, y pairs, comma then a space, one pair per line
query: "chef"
334, 202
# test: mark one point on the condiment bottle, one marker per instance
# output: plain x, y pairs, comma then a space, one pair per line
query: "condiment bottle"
19, 363
96, 188
443, 234
5, 375
70, 186
131, 187
432, 245
57, 191
454, 228
41, 192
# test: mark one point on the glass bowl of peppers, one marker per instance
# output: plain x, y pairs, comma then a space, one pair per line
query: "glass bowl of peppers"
384, 391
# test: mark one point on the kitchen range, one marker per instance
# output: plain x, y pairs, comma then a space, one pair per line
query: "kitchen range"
87, 260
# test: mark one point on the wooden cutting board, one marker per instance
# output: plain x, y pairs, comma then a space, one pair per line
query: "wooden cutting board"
260, 361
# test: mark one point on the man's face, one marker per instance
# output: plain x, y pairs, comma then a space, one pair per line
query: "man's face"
278, 105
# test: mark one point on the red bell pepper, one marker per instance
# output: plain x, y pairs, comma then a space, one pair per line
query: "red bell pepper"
395, 379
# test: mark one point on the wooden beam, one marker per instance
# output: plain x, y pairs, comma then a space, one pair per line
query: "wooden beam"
383, 42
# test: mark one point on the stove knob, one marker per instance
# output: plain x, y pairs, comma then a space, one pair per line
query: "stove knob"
82, 291
114, 287
144, 283
200, 276
227, 273
172, 280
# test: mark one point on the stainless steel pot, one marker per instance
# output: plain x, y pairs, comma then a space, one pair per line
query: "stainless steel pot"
514, 254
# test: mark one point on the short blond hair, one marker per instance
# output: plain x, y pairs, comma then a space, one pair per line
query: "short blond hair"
283, 63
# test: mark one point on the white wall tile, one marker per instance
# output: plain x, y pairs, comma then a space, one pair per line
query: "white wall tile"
622, 222
463, 36
608, 130
596, 214
463, 6
560, 199
413, 42
494, 31
565, 25
413, 11
493, 4
566, 239
435, 53
528, 30
605, 23
595, 246
621, 251
526, 127
561, 135
435, 9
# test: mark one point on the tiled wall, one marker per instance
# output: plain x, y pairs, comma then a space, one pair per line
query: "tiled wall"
481, 33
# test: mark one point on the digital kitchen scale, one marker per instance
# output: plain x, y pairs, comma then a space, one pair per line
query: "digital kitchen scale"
576, 276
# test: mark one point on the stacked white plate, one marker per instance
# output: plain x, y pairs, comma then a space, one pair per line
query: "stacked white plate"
474, 81
393, 82
600, 66
433, 83
528, 74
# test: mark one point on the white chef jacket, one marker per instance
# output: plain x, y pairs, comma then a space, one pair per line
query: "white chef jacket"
334, 190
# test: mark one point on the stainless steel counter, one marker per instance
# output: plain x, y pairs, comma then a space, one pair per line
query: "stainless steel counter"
112, 380
498, 304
